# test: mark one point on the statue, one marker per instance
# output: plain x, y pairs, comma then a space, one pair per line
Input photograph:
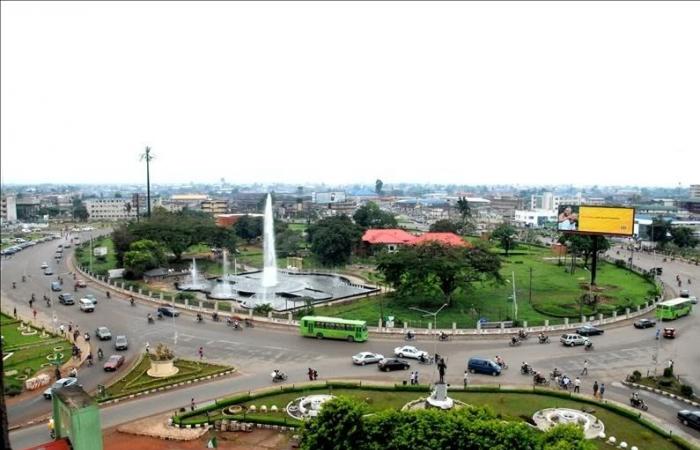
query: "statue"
442, 367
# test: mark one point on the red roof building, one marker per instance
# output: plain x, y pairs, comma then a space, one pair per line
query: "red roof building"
442, 238
392, 236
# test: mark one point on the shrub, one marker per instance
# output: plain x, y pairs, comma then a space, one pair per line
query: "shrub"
620, 263
185, 296
665, 382
636, 376
668, 372
263, 309
686, 390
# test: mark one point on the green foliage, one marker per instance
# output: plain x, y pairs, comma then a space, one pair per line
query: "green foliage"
582, 245
143, 255
333, 238
185, 296
684, 237
262, 309
668, 372
660, 231
371, 216
339, 426
444, 226
249, 228
565, 437
288, 243
505, 235
378, 185
687, 390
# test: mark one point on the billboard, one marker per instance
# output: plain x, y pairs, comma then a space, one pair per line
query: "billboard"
596, 220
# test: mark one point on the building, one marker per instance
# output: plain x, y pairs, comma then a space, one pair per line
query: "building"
442, 238
547, 201
536, 218
214, 206
77, 417
695, 191
178, 202
27, 207
110, 209
328, 197
393, 238
229, 220
9, 209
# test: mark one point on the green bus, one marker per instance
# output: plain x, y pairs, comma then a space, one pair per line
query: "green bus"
332, 328
673, 309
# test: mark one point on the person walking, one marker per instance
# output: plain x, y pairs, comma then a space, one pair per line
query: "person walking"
192, 404
415, 377
14, 312
577, 385
148, 349
595, 389
602, 390
70, 327
34, 312
62, 329
466, 378
658, 333
410, 378
585, 367
201, 353
315, 374
311, 374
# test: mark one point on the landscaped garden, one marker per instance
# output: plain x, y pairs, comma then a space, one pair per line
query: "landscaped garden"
517, 406
28, 350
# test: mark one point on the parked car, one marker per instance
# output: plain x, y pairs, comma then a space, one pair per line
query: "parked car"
66, 245
55, 286
120, 343
113, 363
645, 323
69, 381
86, 305
44, 265
690, 418
81, 283
168, 311
392, 364
363, 358
670, 333
48, 271
91, 297
103, 333
66, 298
409, 351
483, 365
572, 339
693, 299
589, 330
685, 293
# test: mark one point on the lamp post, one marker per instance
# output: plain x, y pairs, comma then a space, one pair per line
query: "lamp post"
434, 314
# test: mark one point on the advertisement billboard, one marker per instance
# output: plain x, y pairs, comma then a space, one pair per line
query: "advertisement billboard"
596, 220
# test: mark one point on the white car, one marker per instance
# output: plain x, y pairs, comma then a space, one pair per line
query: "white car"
44, 265
363, 358
572, 339
48, 393
409, 351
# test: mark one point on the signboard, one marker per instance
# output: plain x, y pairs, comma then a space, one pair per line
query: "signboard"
604, 220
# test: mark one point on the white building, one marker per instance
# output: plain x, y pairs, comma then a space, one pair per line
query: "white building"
535, 218
110, 209
547, 201
9, 209
695, 191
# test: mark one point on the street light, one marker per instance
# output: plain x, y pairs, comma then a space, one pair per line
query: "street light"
434, 314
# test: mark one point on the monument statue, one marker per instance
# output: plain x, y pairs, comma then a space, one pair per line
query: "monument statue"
442, 367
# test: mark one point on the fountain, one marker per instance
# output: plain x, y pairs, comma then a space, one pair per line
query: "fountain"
223, 290
195, 284
551, 417
307, 407
269, 278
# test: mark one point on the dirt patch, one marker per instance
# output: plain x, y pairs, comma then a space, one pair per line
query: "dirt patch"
597, 288
156, 426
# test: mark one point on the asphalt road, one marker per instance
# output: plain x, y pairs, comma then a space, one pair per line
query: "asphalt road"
256, 352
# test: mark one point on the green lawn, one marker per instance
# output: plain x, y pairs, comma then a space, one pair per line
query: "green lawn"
137, 380
555, 294
100, 265
511, 406
29, 353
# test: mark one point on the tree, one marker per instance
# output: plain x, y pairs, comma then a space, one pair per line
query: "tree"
444, 226
249, 228
4, 429
684, 237
582, 245
505, 235
371, 216
143, 255
465, 211
80, 212
288, 242
339, 425
660, 231
378, 185
333, 239
122, 239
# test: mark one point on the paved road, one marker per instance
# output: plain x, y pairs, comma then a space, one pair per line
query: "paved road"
257, 351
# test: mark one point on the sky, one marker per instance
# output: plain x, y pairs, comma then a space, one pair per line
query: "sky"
583, 93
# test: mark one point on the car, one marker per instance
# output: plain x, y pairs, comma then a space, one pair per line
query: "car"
81, 283
168, 311
388, 364
645, 323
44, 265
63, 382
409, 351
693, 299
120, 343
103, 333
66, 298
86, 305
685, 293
690, 418
483, 365
91, 297
589, 330
66, 245
56, 286
572, 339
113, 363
670, 333
48, 271
363, 358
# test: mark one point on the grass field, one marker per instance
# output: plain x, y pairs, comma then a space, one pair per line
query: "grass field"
28, 353
510, 406
556, 294
100, 265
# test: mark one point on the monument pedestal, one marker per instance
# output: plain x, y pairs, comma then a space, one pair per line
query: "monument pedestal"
438, 398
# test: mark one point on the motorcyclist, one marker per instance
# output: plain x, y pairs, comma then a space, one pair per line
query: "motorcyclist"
51, 426
149, 317
14, 285
100, 355
525, 368
410, 335
443, 336
86, 336
131, 300
160, 315
556, 373
589, 345
522, 334
422, 358
542, 337
538, 378
215, 316
236, 324
229, 322
109, 295
199, 317
24, 278
74, 372
514, 340
89, 359
500, 361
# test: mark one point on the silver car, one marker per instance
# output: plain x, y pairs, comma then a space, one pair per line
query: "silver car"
120, 343
363, 358
48, 393
103, 333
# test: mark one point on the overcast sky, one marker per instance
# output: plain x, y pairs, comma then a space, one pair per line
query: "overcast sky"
488, 93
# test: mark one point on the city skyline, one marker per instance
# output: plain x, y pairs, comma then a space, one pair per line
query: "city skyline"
343, 93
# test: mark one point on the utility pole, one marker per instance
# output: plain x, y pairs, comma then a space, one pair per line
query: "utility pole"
529, 300
148, 157
515, 300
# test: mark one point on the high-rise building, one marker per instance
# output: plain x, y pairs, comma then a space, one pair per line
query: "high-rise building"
695, 191
9, 209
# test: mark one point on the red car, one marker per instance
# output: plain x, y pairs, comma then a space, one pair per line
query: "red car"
113, 363
670, 333
81, 283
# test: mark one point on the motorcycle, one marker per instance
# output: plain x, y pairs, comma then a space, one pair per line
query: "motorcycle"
427, 361
522, 335
443, 337
554, 374
526, 370
131, 300
638, 403
109, 295
14, 285
503, 365
215, 317
279, 376
540, 381
86, 336
199, 318
150, 320
588, 346
543, 340
514, 342
249, 323
100, 355
410, 337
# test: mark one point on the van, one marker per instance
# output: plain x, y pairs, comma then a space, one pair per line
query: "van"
55, 286
483, 365
571, 339
86, 305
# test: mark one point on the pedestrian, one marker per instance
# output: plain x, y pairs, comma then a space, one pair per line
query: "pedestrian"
148, 349
585, 367
658, 333
201, 353
602, 390
62, 329
14, 312
577, 385
466, 378
70, 327
415, 376
192, 405
315, 375
34, 312
311, 374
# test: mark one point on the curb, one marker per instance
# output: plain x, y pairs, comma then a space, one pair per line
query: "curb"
660, 392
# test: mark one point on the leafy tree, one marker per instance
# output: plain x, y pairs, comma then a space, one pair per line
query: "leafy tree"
249, 228
261, 203
505, 235
122, 239
444, 226
371, 216
465, 211
582, 245
378, 185
339, 425
333, 239
660, 231
684, 237
80, 212
143, 255
288, 243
